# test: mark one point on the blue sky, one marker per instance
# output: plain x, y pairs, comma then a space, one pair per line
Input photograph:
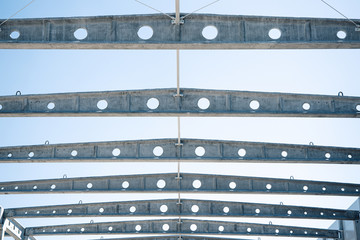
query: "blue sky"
293, 71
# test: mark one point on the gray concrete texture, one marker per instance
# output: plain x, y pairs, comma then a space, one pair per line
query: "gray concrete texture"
187, 183
194, 102
233, 32
182, 208
190, 150
186, 226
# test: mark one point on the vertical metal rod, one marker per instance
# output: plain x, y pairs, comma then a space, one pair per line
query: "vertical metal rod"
177, 12
177, 72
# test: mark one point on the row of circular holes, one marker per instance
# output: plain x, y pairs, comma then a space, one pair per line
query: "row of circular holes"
146, 32
203, 103
193, 228
194, 209
196, 184
199, 151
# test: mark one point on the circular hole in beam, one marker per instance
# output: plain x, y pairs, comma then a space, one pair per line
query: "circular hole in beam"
254, 105
158, 151
232, 185
196, 184
200, 151
210, 32
306, 106
161, 183
80, 34
15, 34
274, 33
193, 227
203, 103
145, 32
153, 103
125, 184
341, 34
102, 104
51, 105
165, 227
242, 152
194, 208
284, 154
163, 208
116, 152
74, 153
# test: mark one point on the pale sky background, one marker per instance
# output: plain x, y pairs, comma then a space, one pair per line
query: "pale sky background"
292, 71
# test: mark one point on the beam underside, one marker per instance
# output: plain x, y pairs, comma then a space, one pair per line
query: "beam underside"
139, 103
234, 32
189, 183
145, 151
188, 207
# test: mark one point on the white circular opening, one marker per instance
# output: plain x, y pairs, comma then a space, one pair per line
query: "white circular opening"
221, 228
51, 105
69, 211
210, 32
341, 34
268, 186
80, 34
0, 106
15, 34
193, 227
358, 107
132, 209
145, 32
163, 208
158, 151
342, 189
195, 208
125, 184
161, 183
284, 154
226, 209
101, 210
54, 211
277, 231
68, 230
82, 229
74, 153
305, 188
257, 211
232, 185
248, 230
322, 214
102, 104
275, 33
116, 152
242, 152
254, 105
9, 155
110, 228
35, 187
305, 213
349, 156
31, 154
153, 103
324, 188
196, 184
327, 155
289, 212
203, 103
166, 227
306, 106
200, 151
89, 185
137, 227
53, 186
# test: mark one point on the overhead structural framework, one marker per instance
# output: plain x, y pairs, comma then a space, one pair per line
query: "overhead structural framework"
188, 182
232, 32
184, 208
191, 102
186, 226
10, 227
190, 150
174, 237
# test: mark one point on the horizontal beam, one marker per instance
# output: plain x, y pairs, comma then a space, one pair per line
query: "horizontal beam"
189, 183
165, 150
187, 207
173, 237
193, 102
186, 226
228, 32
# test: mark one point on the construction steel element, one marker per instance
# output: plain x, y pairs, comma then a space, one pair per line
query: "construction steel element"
14, 229
228, 32
175, 237
186, 226
192, 102
189, 183
186, 207
198, 150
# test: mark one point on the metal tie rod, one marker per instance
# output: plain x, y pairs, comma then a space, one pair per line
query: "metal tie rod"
190, 183
231, 32
187, 226
194, 102
211, 151
189, 207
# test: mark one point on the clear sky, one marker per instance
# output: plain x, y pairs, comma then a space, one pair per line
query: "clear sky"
292, 71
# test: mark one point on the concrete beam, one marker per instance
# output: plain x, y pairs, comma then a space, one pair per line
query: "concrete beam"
194, 102
233, 32
186, 226
191, 150
189, 183
14, 229
173, 237
187, 207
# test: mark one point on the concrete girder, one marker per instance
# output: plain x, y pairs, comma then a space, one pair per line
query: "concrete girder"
174, 237
187, 207
146, 151
170, 183
186, 226
234, 32
162, 102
